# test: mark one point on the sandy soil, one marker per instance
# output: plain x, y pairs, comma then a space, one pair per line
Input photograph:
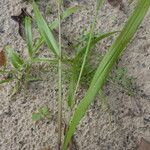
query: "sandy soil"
118, 128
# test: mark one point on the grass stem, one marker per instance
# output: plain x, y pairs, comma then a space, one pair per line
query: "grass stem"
60, 80
86, 53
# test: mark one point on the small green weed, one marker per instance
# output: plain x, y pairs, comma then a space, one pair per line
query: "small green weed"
42, 113
18, 68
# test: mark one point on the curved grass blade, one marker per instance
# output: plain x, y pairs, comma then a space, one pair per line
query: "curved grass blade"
99, 4
28, 31
14, 57
78, 61
106, 65
45, 31
94, 41
72, 86
5, 81
64, 15
55, 23
91, 33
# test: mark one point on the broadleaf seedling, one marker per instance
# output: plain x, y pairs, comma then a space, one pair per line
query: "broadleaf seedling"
42, 113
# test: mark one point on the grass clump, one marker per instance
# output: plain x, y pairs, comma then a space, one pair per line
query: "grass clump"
79, 65
106, 64
18, 68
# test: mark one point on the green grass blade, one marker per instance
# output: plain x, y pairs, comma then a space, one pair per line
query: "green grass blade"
28, 31
94, 41
123, 39
69, 11
45, 31
64, 15
5, 81
60, 102
99, 4
106, 65
55, 24
37, 44
72, 85
14, 57
77, 64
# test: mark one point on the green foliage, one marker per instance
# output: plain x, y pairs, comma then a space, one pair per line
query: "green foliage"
42, 113
20, 70
39, 41
20, 67
81, 69
88, 71
99, 4
106, 65
28, 31
45, 31
72, 94
14, 58
64, 15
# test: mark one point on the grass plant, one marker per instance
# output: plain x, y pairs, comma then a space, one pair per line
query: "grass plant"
20, 67
106, 65
78, 64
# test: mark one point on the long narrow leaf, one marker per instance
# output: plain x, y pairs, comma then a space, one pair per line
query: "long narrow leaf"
5, 81
99, 4
45, 31
14, 57
105, 66
94, 41
28, 31
91, 33
55, 23
64, 15
77, 63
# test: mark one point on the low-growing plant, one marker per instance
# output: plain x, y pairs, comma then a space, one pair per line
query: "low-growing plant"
42, 113
81, 56
106, 65
17, 68
79, 66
